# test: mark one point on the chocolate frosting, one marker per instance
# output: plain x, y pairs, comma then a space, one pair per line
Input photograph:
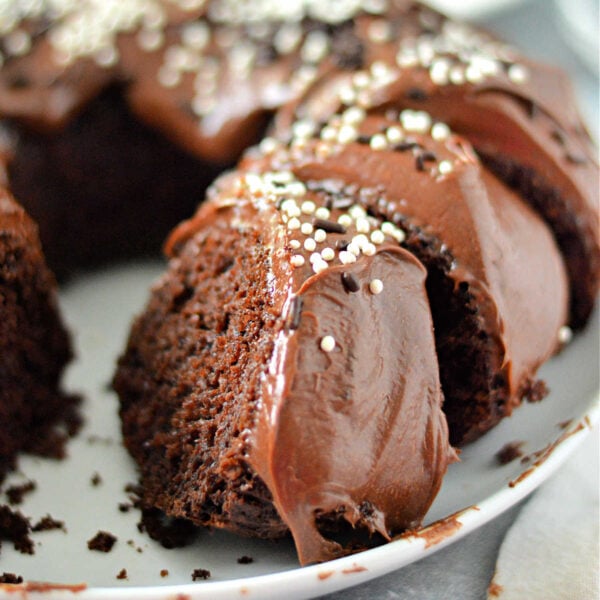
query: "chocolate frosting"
355, 433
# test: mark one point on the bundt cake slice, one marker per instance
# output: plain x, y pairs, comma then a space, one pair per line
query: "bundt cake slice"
280, 378
284, 374
34, 348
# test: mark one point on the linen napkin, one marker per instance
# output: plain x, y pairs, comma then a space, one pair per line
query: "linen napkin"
551, 552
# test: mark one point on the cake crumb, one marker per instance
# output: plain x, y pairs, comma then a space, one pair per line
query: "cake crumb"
10, 578
164, 572
125, 507
245, 560
122, 574
509, 452
16, 493
16, 528
198, 574
48, 523
169, 532
102, 542
96, 480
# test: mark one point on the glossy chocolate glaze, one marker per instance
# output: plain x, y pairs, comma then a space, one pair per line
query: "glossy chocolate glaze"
356, 433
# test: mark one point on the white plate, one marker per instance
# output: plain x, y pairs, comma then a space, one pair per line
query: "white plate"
99, 308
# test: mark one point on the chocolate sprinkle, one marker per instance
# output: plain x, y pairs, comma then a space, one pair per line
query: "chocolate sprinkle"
122, 574
350, 282
329, 226
416, 94
404, 146
295, 312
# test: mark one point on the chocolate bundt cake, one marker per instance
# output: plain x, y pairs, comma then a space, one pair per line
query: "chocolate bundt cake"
35, 416
365, 262
283, 374
124, 105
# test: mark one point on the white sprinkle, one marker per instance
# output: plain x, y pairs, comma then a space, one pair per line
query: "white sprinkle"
328, 343
378, 142
287, 38
304, 129
308, 207
353, 116
369, 250
457, 75
315, 47
268, 145
290, 207
362, 225
376, 286
380, 70
319, 266
445, 167
315, 257
518, 74
407, 58
345, 220
107, 56
346, 257
565, 334
473, 74
150, 40
195, 35
295, 244
347, 95
394, 135
17, 42
440, 131
328, 134
296, 188
306, 228
417, 121
361, 80
360, 240
390, 229
356, 211
328, 254
310, 245
380, 31
320, 235
168, 77
293, 223
297, 260
438, 72
347, 134
322, 213
253, 182
377, 237
353, 248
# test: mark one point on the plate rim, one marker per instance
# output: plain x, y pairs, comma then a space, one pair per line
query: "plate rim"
364, 566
